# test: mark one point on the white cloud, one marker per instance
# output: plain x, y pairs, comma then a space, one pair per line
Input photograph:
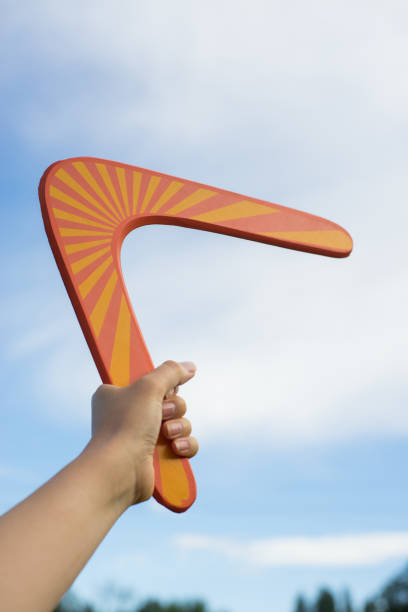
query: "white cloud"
348, 550
41, 337
281, 80
290, 347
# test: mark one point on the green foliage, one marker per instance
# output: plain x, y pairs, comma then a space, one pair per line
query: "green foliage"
393, 597
348, 607
155, 606
301, 605
325, 602
148, 606
396, 593
77, 608
151, 606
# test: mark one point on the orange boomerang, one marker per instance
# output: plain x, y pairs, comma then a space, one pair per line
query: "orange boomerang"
89, 205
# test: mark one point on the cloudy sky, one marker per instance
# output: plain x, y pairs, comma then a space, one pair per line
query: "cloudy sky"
300, 398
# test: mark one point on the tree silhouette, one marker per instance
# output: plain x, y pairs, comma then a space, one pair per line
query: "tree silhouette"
393, 597
346, 604
156, 606
396, 593
63, 608
325, 602
301, 605
77, 608
151, 606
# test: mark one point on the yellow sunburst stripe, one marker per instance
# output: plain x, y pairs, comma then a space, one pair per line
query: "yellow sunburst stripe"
137, 179
323, 238
98, 314
64, 197
61, 214
69, 231
66, 178
83, 246
103, 171
198, 196
174, 481
238, 210
171, 190
91, 280
80, 264
151, 188
120, 172
87, 176
120, 363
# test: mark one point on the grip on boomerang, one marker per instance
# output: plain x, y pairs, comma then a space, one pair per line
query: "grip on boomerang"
89, 205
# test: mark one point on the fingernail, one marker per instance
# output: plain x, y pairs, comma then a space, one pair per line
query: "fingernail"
182, 445
169, 408
189, 366
174, 428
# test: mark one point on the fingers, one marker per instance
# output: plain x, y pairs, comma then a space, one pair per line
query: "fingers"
174, 408
170, 374
178, 429
185, 447
173, 391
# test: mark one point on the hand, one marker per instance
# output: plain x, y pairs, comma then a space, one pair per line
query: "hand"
126, 422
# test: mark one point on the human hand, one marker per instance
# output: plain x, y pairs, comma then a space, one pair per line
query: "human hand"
126, 422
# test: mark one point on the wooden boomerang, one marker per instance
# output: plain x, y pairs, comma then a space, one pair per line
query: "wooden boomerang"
89, 206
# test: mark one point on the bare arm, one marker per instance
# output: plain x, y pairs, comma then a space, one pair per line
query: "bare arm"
47, 539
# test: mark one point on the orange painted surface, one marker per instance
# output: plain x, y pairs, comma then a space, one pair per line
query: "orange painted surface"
90, 205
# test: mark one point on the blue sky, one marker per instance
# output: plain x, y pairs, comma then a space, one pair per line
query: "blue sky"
300, 398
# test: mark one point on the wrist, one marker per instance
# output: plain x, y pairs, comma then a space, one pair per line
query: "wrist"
119, 471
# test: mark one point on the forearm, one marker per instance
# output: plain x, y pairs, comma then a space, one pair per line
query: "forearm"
47, 539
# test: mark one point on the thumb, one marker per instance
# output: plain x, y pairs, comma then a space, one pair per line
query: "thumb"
171, 374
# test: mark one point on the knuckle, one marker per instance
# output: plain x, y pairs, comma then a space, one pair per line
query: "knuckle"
170, 363
173, 365
100, 392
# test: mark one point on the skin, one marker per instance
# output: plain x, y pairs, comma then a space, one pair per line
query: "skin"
46, 540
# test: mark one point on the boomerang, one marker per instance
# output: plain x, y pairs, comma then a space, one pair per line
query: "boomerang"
89, 206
